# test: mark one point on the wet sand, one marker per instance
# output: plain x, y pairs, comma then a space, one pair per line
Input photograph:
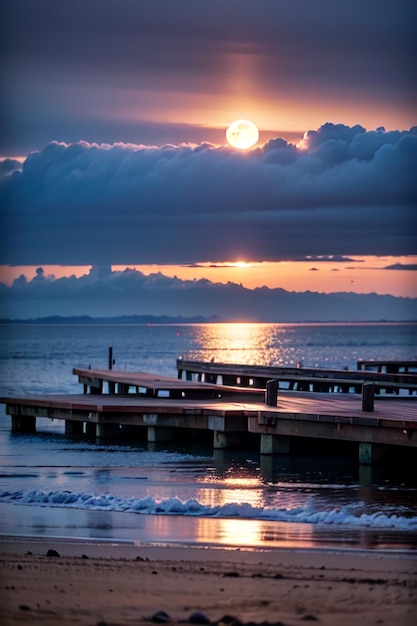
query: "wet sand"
92, 583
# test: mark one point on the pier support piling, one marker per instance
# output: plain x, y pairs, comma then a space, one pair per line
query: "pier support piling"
107, 431
370, 453
224, 440
275, 444
23, 424
160, 434
90, 429
220, 440
74, 427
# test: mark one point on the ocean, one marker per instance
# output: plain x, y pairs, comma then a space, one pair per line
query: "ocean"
53, 485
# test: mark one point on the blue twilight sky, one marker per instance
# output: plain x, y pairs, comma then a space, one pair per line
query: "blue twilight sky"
113, 144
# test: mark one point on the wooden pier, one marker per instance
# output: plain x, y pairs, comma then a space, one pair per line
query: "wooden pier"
389, 367
154, 386
302, 378
164, 407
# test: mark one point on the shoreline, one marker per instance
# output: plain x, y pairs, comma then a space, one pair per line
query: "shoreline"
116, 548
113, 583
188, 530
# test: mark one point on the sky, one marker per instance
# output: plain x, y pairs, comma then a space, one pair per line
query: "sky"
114, 156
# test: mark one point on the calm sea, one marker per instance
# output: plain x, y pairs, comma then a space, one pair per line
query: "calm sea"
54, 485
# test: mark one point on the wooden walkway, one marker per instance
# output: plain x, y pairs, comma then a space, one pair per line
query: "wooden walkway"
299, 378
154, 386
217, 410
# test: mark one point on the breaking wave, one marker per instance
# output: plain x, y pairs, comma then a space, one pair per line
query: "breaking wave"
351, 515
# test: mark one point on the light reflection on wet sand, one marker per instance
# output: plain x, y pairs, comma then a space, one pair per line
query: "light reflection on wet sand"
180, 530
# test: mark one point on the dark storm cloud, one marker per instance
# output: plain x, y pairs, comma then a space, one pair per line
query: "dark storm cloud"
345, 192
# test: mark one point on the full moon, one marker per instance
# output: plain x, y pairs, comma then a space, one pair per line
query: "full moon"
242, 134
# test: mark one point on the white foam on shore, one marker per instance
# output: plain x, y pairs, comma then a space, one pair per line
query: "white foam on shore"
351, 515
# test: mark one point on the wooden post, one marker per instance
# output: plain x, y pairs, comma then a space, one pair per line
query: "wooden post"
271, 393
368, 397
110, 358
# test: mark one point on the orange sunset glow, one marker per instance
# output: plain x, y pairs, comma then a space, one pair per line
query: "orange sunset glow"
360, 275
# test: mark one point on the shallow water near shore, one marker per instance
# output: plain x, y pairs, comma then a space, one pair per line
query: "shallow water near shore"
60, 486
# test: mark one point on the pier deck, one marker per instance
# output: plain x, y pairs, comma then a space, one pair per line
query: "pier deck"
393, 422
154, 386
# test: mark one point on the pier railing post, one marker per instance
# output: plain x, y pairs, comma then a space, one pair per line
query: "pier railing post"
271, 392
368, 391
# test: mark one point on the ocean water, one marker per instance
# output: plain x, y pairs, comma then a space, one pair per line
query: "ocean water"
54, 485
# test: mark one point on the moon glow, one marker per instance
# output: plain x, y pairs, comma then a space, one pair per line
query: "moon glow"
242, 134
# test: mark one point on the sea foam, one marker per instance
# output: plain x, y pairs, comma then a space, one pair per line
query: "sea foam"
351, 515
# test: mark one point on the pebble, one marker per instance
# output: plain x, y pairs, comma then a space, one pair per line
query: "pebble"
198, 618
52, 553
161, 617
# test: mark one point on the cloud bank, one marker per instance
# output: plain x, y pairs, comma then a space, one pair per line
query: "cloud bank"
343, 191
106, 293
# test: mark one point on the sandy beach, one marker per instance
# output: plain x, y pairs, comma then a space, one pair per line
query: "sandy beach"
92, 583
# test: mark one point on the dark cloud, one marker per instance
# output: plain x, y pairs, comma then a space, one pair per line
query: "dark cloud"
401, 266
7, 166
105, 293
84, 203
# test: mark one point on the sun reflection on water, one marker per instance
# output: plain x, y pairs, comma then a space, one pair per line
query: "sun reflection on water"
258, 344
314, 345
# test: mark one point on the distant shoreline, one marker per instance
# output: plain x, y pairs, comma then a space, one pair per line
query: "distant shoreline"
165, 320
